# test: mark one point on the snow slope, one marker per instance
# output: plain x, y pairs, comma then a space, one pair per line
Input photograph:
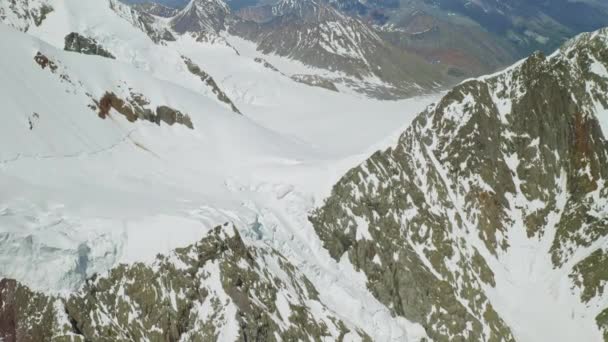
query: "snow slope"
81, 194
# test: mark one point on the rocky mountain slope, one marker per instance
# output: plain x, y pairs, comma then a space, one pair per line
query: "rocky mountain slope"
488, 220
192, 294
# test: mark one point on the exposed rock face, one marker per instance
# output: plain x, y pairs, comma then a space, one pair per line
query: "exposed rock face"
216, 289
135, 108
45, 62
504, 169
88, 46
266, 64
315, 81
210, 82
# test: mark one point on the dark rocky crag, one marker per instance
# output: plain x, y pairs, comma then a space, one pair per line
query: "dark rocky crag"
77, 43
136, 108
521, 153
315, 81
216, 288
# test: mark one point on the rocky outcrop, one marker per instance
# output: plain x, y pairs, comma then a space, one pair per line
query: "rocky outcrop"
504, 168
45, 62
77, 43
315, 81
266, 64
210, 82
216, 289
136, 108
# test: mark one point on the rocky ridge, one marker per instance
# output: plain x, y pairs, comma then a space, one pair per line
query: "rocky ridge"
218, 288
156, 9
210, 82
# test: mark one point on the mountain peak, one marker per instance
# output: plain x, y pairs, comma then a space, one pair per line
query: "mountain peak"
307, 10
201, 16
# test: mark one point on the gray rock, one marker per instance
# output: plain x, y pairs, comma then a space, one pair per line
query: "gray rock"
88, 46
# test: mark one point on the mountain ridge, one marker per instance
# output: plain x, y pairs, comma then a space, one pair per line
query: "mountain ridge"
431, 205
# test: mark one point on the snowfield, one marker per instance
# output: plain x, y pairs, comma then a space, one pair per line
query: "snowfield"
82, 194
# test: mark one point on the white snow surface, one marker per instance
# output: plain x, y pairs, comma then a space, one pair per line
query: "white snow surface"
82, 194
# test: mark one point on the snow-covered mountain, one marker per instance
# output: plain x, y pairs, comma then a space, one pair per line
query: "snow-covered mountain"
201, 16
160, 186
308, 31
489, 219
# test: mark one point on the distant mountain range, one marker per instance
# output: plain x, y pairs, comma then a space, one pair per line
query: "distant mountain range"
483, 33
467, 37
